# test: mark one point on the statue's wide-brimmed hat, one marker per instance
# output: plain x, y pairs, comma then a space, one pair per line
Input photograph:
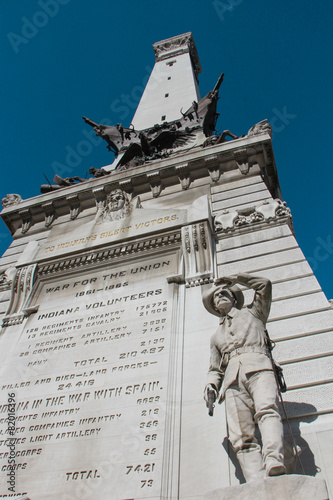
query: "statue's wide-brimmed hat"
208, 297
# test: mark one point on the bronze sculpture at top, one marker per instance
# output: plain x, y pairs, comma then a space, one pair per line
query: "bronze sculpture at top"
158, 141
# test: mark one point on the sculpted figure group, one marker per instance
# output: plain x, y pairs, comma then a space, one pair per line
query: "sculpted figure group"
241, 365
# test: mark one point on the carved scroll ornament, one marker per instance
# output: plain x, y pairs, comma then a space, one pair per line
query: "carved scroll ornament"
229, 220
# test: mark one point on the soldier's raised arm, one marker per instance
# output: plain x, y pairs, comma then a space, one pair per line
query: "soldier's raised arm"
261, 304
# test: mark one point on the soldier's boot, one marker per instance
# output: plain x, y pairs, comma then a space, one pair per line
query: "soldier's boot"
271, 430
251, 463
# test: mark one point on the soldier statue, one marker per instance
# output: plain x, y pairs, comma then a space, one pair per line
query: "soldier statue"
240, 359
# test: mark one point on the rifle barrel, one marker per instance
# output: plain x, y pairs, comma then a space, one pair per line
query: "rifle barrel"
219, 81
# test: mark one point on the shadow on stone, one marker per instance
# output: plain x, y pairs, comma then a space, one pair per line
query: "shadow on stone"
297, 413
304, 463
232, 455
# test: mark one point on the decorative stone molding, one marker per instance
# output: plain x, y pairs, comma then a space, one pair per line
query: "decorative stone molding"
241, 157
268, 211
135, 181
274, 208
203, 236
183, 175
6, 278
26, 220
49, 213
199, 281
11, 199
112, 253
178, 45
213, 168
197, 251
154, 180
116, 206
100, 197
126, 185
74, 206
18, 308
269, 159
215, 174
262, 127
186, 239
4, 282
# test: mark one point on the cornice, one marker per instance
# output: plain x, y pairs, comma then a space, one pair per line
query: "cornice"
177, 45
182, 169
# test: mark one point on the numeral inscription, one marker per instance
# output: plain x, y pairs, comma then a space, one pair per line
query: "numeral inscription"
144, 483
140, 468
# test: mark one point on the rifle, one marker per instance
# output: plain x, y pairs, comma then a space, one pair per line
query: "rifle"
282, 387
90, 122
218, 83
278, 371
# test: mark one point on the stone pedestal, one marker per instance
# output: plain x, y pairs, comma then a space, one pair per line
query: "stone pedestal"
274, 488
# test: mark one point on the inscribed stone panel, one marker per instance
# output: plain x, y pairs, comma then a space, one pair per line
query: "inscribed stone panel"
90, 376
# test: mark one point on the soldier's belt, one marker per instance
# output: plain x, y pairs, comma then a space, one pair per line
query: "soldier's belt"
226, 356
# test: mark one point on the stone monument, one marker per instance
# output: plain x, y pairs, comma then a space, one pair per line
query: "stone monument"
104, 341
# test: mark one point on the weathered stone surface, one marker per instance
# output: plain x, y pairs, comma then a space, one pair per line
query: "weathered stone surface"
293, 487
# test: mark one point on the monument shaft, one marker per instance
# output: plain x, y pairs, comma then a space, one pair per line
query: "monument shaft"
104, 345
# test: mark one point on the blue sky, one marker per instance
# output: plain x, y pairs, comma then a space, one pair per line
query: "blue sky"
62, 59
